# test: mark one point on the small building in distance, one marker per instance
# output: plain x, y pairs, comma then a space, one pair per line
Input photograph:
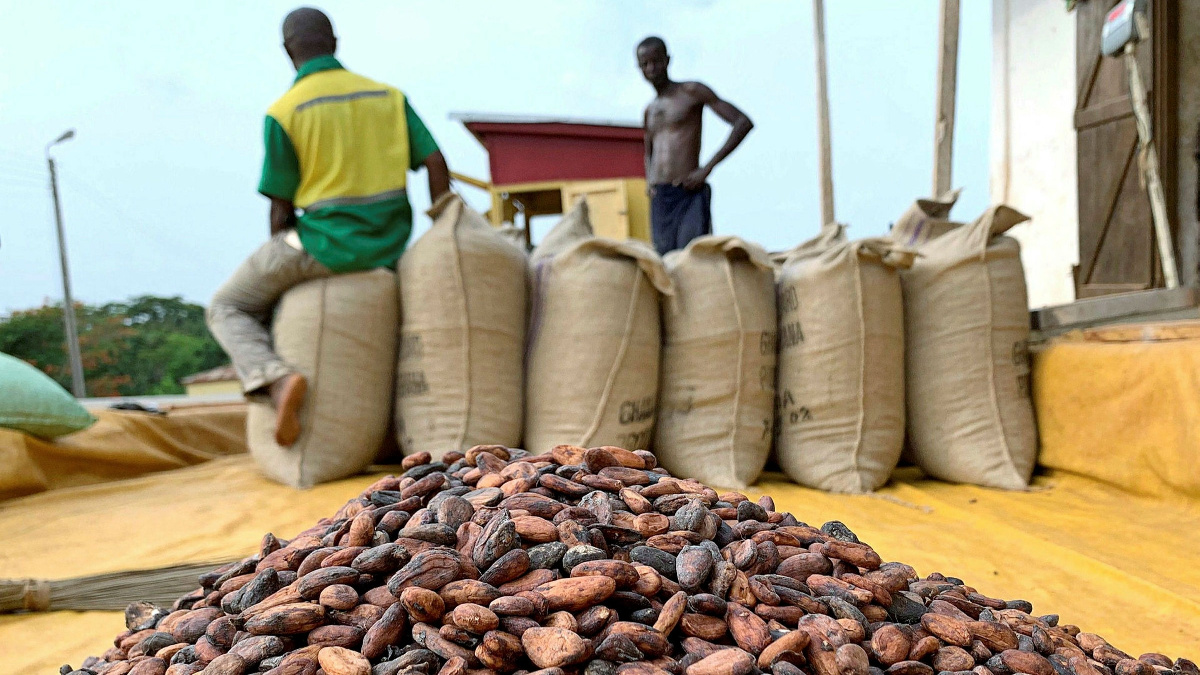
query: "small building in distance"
219, 380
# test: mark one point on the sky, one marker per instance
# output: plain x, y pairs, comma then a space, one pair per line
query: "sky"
167, 100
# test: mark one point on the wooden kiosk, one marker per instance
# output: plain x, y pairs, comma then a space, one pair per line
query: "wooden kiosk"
542, 165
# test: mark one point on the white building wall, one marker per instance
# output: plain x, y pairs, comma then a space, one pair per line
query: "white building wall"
1033, 150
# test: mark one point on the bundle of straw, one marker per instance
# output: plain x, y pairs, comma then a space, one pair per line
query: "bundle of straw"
111, 591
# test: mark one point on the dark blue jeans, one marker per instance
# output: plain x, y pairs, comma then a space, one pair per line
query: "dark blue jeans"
678, 216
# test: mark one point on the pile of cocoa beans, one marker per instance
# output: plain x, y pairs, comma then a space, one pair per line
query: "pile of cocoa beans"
591, 561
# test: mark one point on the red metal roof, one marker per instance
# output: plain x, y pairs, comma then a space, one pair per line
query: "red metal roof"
536, 149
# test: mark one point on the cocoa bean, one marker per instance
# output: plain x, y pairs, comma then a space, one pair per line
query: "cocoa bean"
341, 661
339, 596
429, 569
510, 566
623, 574
255, 650
554, 647
704, 627
578, 593
948, 629
226, 664
336, 636
909, 668
387, 630
794, 641
287, 619
723, 662
693, 567
474, 618
1026, 662
890, 645
749, 631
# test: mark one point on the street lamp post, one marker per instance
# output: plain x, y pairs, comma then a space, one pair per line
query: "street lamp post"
77, 384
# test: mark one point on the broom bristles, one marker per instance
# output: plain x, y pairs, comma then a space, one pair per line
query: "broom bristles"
100, 592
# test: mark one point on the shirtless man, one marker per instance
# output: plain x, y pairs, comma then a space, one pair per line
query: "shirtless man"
680, 199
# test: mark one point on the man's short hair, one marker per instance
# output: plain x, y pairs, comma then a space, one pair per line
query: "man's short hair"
309, 31
653, 41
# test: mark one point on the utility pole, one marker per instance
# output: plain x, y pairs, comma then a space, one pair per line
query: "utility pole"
943, 133
72, 334
823, 133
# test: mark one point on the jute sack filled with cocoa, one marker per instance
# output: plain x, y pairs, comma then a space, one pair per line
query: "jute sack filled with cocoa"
925, 220
340, 333
594, 341
718, 362
841, 362
575, 226
463, 304
970, 417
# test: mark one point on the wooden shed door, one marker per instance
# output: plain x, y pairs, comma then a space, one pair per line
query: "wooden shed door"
607, 205
1117, 251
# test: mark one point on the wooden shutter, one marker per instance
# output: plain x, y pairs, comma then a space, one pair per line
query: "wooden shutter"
1117, 251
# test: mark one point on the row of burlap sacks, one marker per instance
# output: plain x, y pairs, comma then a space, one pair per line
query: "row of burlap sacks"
593, 342
917, 343
920, 336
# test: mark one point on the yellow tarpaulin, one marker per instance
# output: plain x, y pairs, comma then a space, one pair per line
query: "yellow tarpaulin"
1122, 404
1111, 563
121, 444
1107, 537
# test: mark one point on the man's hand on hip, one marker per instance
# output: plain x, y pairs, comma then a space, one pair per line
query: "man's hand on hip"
694, 180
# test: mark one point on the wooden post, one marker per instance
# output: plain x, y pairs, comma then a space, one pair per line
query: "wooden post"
826, 153
943, 133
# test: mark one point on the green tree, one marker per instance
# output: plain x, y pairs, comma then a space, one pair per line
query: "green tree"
140, 347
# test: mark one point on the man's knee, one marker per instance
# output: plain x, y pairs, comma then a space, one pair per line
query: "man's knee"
216, 310
220, 307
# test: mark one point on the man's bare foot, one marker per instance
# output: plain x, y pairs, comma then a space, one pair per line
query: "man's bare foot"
287, 393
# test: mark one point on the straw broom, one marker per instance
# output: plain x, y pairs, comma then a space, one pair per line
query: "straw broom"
111, 591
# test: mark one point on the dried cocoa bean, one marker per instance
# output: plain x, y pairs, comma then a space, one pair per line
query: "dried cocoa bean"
287, 619
554, 647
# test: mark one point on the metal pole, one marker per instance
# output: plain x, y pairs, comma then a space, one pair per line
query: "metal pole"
1158, 201
77, 384
824, 140
943, 135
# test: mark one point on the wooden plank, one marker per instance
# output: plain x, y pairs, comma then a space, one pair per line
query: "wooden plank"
1096, 290
1141, 321
1110, 202
1085, 88
1105, 112
1111, 307
947, 73
1164, 94
824, 136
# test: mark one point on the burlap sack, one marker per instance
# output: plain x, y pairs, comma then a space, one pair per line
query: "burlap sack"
841, 362
514, 235
925, 220
970, 417
463, 316
575, 226
340, 333
594, 341
717, 390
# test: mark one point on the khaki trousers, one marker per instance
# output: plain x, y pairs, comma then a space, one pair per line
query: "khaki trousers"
239, 315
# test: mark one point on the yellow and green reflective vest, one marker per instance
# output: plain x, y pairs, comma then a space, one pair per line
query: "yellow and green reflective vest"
339, 146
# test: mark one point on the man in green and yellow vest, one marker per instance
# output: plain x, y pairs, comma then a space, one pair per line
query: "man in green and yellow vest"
338, 149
